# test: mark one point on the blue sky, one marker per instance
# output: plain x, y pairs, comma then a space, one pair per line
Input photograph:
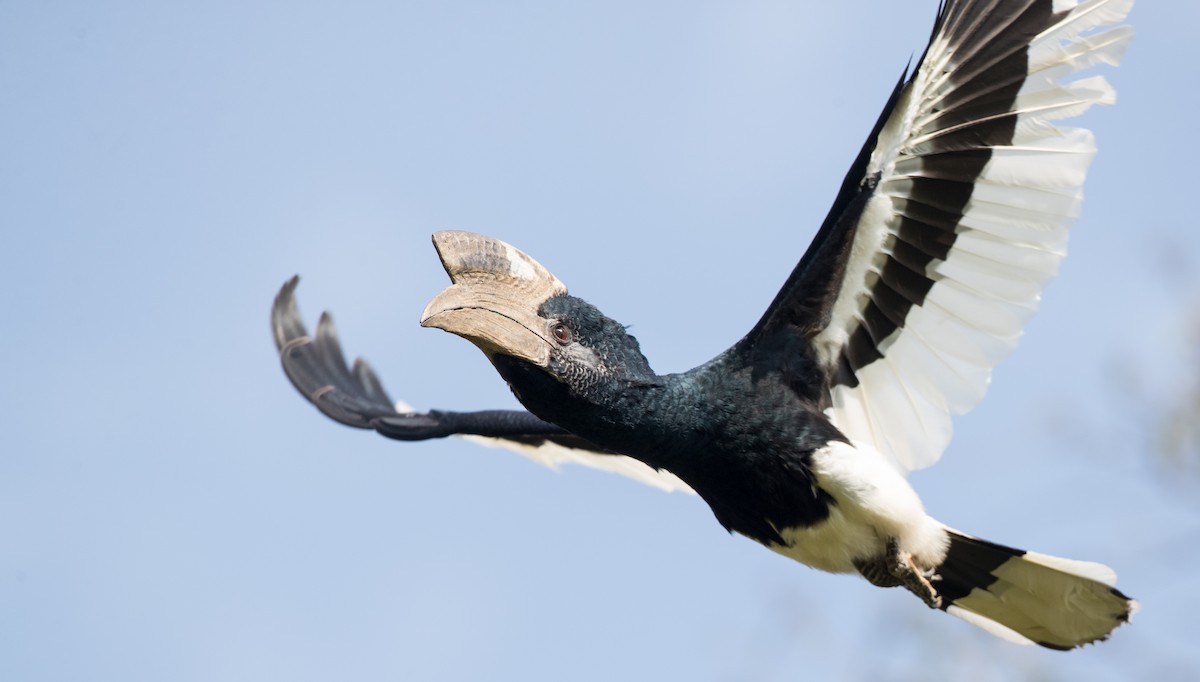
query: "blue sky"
171, 509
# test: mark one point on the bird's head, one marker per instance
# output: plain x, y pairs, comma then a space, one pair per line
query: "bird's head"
513, 308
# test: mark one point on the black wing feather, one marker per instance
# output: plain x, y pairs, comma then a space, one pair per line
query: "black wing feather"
948, 223
354, 396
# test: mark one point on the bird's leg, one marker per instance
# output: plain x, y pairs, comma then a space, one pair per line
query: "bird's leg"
878, 572
896, 568
906, 572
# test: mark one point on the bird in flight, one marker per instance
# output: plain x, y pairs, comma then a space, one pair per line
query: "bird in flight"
800, 436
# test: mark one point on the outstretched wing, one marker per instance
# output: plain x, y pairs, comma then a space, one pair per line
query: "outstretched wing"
354, 396
951, 220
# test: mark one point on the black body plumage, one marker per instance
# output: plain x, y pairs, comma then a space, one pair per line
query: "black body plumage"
734, 431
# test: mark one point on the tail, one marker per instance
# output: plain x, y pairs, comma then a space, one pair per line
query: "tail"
1027, 597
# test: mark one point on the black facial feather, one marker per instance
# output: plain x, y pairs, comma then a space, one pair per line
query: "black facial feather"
616, 351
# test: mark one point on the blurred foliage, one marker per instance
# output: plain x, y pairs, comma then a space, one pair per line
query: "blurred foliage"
1178, 433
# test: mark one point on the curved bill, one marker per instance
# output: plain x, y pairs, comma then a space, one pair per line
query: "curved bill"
495, 296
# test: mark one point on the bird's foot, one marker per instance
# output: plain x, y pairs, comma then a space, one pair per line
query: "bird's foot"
895, 569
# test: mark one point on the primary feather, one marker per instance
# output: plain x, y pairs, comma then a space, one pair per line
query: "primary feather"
967, 219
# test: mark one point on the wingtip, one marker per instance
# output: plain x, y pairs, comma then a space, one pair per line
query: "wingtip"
287, 291
286, 324
325, 325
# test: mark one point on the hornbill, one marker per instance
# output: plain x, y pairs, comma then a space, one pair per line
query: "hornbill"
947, 225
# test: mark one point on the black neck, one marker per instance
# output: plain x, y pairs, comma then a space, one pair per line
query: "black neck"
648, 416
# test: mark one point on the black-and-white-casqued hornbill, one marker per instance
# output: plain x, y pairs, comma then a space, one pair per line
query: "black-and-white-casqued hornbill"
800, 436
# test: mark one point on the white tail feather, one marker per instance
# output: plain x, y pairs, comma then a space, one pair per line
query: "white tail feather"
1057, 603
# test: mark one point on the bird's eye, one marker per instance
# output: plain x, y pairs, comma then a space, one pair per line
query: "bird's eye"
562, 333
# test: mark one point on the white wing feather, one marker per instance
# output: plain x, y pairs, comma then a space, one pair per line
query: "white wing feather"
1009, 242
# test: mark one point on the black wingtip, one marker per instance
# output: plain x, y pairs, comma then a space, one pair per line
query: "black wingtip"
317, 367
286, 324
369, 381
354, 396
